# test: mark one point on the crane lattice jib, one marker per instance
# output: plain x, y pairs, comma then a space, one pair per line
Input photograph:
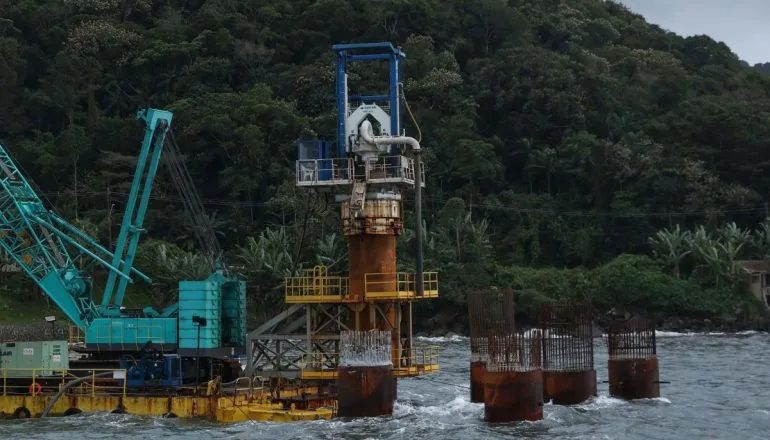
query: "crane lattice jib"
158, 123
30, 237
40, 242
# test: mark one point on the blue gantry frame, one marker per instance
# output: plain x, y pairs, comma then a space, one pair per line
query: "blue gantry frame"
374, 52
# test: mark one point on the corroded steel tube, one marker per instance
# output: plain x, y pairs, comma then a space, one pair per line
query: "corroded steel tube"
633, 361
513, 396
513, 381
634, 378
478, 369
365, 391
569, 387
569, 376
365, 383
490, 313
372, 254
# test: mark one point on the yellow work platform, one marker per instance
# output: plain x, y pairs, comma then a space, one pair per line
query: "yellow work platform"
315, 286
419, 361
412, 371
242, 403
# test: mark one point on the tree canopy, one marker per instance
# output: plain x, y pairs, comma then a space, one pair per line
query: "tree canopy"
557, 133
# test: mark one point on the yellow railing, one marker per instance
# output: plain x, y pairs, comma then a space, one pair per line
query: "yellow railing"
75, 336
315, 285
399, 285
51, 380
413, 362
319, 365
245, 389
420, 359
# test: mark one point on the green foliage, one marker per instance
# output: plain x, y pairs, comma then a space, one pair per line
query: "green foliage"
555, 133
629, 283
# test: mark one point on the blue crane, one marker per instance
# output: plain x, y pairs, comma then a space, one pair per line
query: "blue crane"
208, 319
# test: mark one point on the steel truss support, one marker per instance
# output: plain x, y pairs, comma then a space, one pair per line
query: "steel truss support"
300, 335
304, 338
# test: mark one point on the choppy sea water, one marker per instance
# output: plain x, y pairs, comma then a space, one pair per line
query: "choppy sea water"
720, 389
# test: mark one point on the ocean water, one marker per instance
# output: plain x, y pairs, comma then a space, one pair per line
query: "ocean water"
720, 389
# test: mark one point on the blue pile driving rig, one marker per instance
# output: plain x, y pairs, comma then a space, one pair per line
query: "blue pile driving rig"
197, 337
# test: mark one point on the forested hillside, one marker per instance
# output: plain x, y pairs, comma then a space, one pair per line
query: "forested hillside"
558, 134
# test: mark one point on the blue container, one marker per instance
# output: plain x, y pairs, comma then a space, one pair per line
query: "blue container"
131, 332
200, 299
234, 313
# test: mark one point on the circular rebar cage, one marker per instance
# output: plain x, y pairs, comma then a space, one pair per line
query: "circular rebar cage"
631, 339
490, 312
567, 336
365, 348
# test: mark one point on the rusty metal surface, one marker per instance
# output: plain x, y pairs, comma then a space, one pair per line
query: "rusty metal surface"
634, 378
477, 381
380, 217
513, 396
633, 362
370, 254
365, 384
365, 391
569, 387
569, 376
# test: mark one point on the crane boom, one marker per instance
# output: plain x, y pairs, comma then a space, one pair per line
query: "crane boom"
158, 123
40, 242
59, 258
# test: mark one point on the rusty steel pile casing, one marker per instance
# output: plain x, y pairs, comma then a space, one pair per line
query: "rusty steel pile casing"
479, 330
569, 376
365, 383
513, 382
633, 361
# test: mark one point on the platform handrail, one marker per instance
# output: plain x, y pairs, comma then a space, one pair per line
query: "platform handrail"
324, 171
399, 284
75, 335
416, 357
316, 282
421, 355
63, 375
249, 388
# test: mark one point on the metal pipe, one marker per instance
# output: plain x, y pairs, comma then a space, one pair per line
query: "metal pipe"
419, 282
69, 385
367, 135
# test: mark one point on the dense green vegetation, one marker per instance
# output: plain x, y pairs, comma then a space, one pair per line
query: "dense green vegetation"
559, 136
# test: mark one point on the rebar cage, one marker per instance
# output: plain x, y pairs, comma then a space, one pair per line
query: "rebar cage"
631, 339
567, 336
489, 312
365, 348
515, 351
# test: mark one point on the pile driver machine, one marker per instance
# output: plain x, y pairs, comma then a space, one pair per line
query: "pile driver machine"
195, 337
370, 172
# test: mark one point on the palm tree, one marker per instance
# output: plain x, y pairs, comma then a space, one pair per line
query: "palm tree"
672, 246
